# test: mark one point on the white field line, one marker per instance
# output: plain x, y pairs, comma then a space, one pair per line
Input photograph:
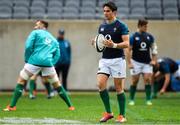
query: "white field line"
15, 120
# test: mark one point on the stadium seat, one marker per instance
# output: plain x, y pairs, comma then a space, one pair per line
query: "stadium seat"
6, 3
154, 13
87, 15
54, 13
153, 4
137, 4
122, 16
87, 3
37, 12
22, 3
122, 3
169, 3
72, 3
171, 16
21, 13
39, 3
136, 16
5, 12
171, 10
123, 11
55, 3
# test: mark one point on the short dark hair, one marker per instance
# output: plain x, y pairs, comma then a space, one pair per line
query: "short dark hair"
142, 22
111, 5
45, 23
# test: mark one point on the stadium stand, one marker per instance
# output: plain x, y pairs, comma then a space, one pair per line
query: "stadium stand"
88, 9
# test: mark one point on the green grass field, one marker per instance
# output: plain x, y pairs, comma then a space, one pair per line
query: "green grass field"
89, 108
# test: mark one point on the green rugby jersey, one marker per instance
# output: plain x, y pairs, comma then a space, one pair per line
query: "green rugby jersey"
41, 49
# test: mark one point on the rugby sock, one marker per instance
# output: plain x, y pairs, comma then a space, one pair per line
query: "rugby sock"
31, 86
62, 93
48, 87
148, 91
122, 103
132, 92
17, 94
105, 98
155, 88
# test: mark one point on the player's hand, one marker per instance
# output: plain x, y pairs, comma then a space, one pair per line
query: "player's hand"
108, 43
153, 63
130, 65
162, 91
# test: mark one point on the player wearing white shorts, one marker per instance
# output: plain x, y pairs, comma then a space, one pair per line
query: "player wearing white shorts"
41, 53
113, 61
141, 56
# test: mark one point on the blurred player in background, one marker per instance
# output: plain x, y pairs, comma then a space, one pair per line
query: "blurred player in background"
113, 61
33, 86
142, 48
41, 53
63, 64
164, 68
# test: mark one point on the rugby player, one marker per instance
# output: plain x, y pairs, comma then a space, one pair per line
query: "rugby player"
142, 55
113, 61
41, 53
163, 69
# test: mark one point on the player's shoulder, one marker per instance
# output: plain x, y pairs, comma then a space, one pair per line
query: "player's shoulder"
121, 23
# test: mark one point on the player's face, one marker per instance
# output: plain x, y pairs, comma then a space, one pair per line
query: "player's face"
38, 25
108, 13
143, 28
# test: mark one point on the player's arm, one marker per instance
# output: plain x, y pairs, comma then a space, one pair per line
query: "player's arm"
154, 52
166, 70
56, 55
166, 83
122, 45
29, 45
129, 52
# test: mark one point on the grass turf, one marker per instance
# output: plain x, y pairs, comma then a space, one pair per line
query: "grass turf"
89, 108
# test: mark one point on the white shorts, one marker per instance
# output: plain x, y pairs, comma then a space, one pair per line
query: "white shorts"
46, 71
177, 73
113, 67
139, 68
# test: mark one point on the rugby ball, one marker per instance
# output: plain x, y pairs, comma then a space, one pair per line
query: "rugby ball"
98, 44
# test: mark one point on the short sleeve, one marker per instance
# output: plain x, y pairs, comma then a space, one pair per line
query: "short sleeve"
131, 39
124, 29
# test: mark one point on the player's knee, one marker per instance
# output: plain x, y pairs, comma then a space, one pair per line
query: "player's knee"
53, 80
24, 75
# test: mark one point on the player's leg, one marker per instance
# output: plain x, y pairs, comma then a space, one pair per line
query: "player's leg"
147, 81
135, 73
102, 78
48, 87
147, 77
50, 74
157, 84
102, 83
22, 79
25, 74
119, 85
65, 71
132, 90
32, 86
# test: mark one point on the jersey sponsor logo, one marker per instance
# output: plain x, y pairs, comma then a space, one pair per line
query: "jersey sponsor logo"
47, 41
148, 37
143, 46
108, 37
102, 29
137, 38
115, 29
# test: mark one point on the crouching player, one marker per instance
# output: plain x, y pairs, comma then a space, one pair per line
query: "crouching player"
41, 53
